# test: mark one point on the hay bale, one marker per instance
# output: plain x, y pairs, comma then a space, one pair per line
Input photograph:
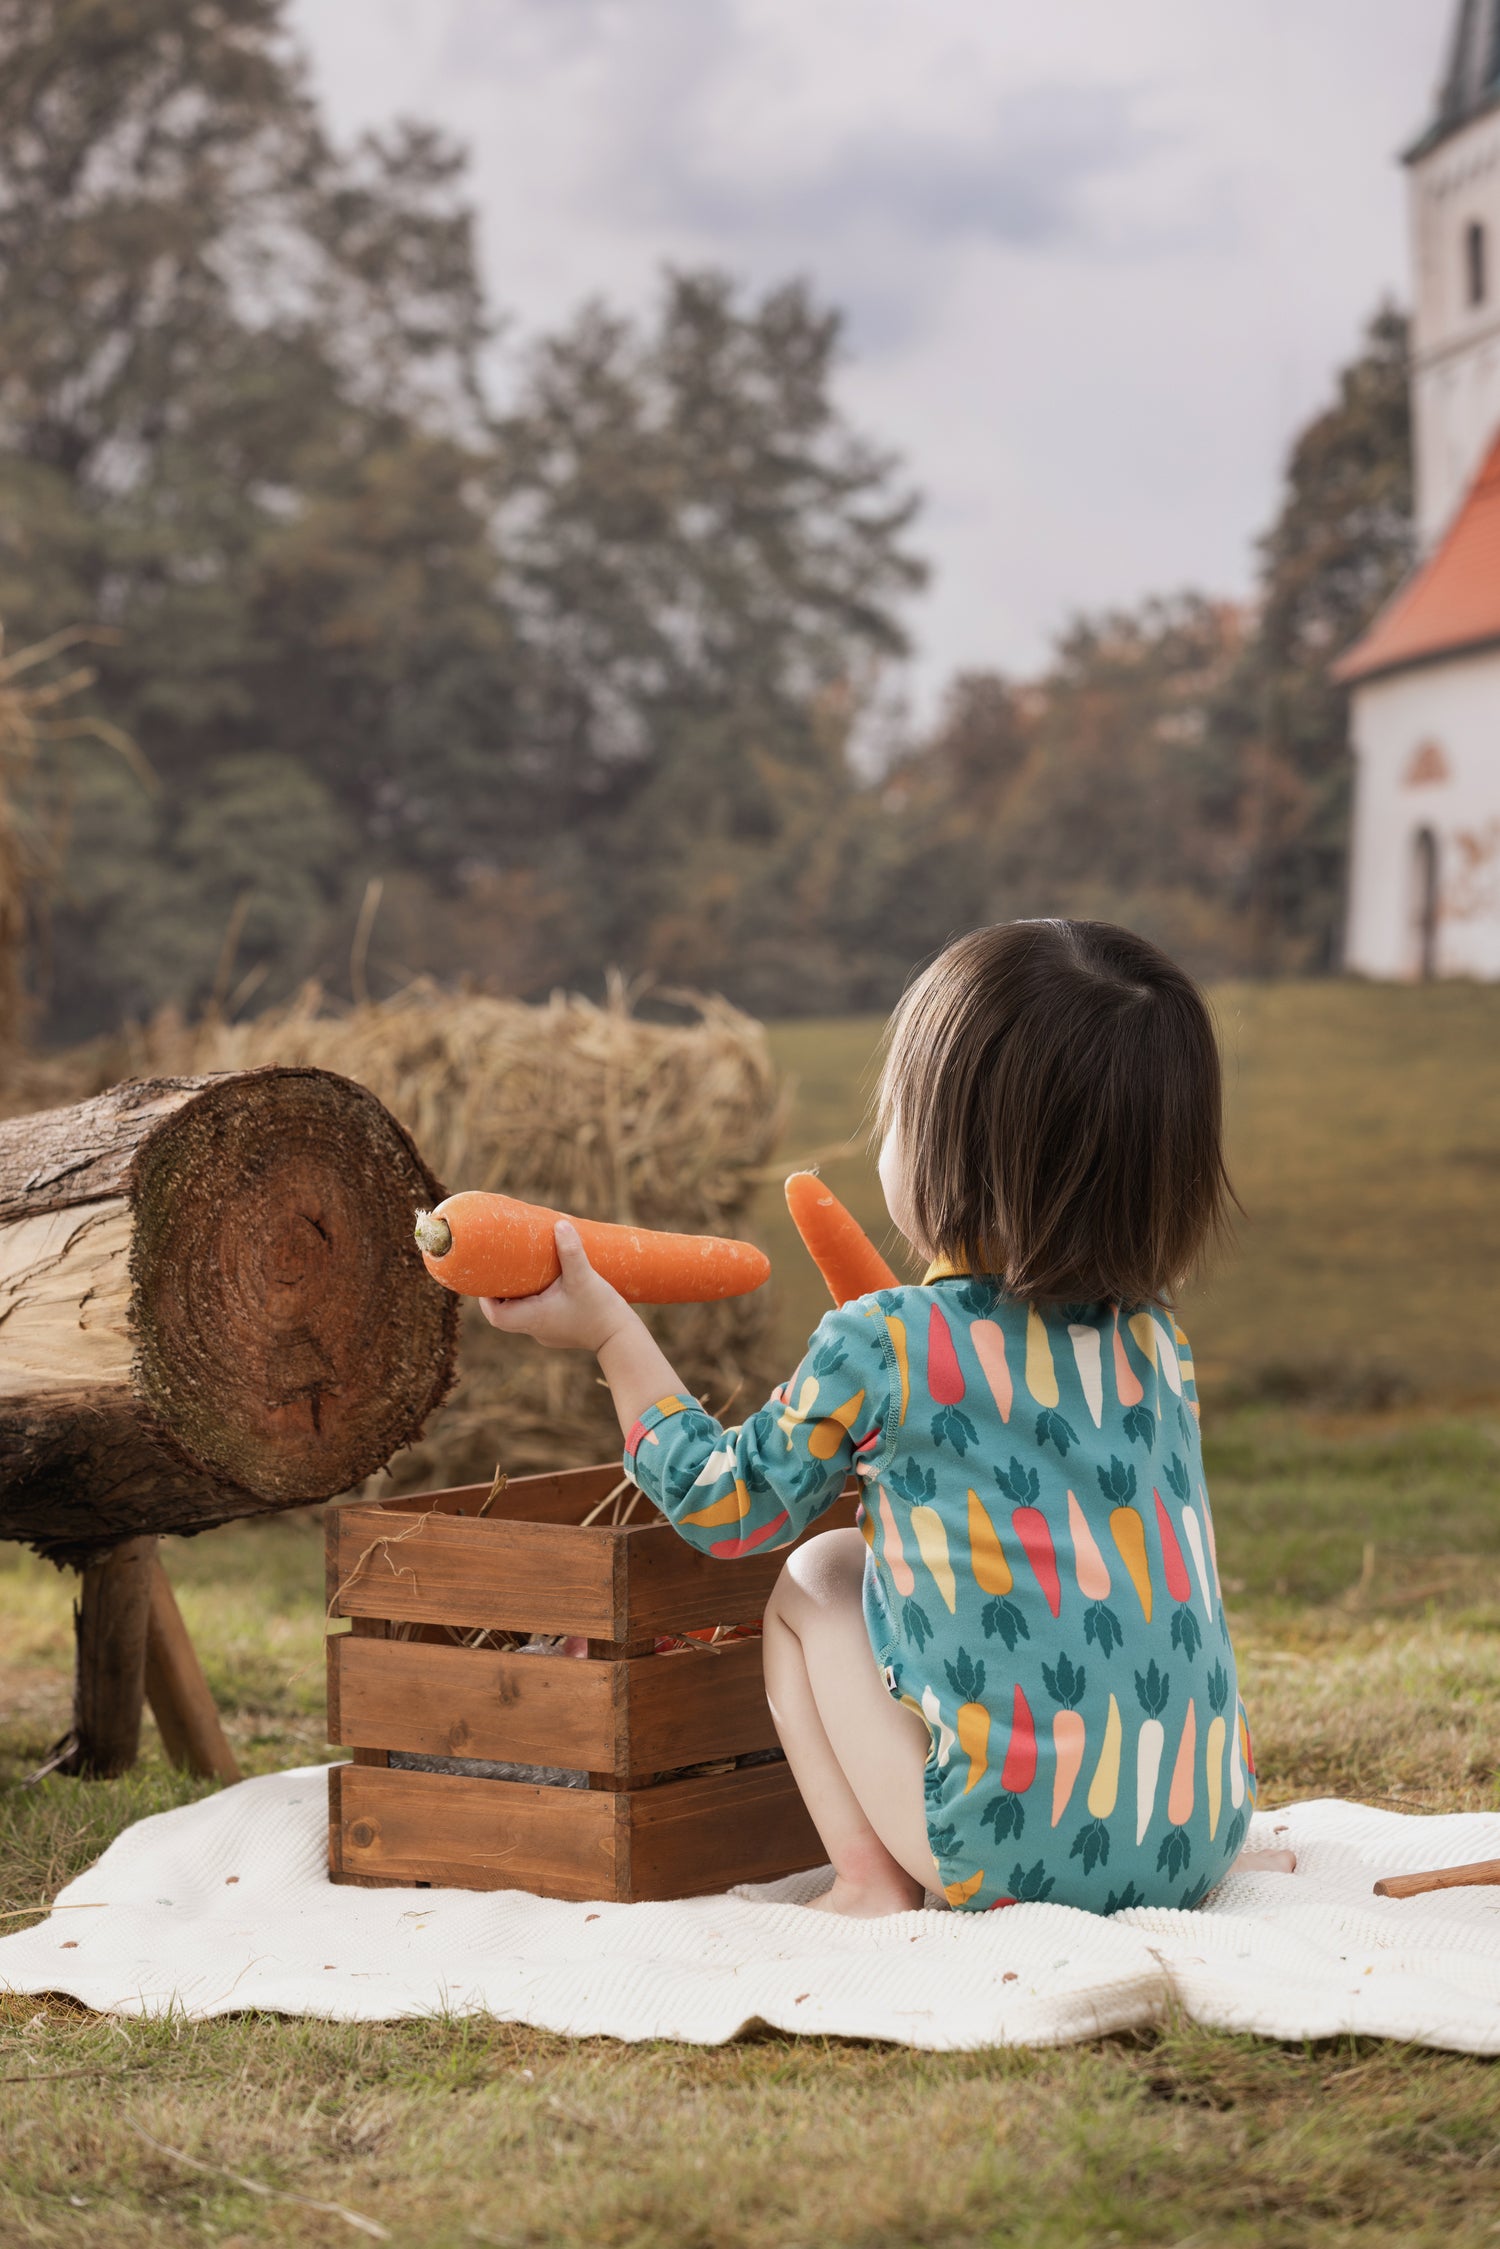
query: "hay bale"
593, 1109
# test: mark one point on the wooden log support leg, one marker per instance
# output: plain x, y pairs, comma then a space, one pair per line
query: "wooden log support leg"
177, 1691
110, 1621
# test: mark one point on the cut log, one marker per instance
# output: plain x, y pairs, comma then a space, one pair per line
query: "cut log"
211, 1305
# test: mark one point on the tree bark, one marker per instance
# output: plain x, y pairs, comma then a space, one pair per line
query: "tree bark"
211, 1305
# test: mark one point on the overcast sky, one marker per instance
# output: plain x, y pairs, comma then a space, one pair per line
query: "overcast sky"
1099, 257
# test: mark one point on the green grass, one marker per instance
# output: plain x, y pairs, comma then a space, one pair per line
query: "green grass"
1362, 1561
1361, 1556
1364, 1139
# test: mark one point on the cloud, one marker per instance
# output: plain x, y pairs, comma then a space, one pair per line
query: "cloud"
1021, 179
1098, 259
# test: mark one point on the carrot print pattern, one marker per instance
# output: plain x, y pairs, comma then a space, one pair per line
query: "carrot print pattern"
896, 1330
1152, 1690
932, 1545
1145, 1331
1176, 1849
1041, 1375
1171, 1553
1055, 1428
1005, 1812
988, 1341
831, 1431
1194, 1531
732, 1508
943, 1736
1128, 1387
1091, 1843
1023, 1485
945, 1379
1187, 1634
1065, 1683
1117, 1482
915, 1622
992, 1574
1166, 1359
1039, 1575
1086, 1357
1101, 1627
895, 1552
966, 1678
945, 1385
1213, 1748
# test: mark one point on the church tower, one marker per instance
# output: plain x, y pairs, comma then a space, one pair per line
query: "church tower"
1454, 175
1424, 861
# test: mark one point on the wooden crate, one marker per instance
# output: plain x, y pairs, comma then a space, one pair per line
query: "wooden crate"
626, 1716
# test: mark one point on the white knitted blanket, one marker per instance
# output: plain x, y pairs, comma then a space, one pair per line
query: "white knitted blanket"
225, 1905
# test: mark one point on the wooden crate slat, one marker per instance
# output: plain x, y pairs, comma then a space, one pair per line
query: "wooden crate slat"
683, 1839
692, 1836
631, 1719
437, 1568
474, 1702
671, 1587
685, 1709
624, 1714
445, 1829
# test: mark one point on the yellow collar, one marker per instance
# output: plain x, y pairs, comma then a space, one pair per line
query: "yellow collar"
945, 1269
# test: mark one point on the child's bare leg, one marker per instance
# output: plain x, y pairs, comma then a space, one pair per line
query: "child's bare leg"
856, 1754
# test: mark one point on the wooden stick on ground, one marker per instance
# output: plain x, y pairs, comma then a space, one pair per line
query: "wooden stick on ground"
178, 1692
1479, 1871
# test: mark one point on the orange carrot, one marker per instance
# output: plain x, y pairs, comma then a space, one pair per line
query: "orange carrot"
838, 1245
492, 1245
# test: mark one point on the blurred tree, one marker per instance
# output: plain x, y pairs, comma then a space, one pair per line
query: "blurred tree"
708, 559
593, 663
1342, 542
1184, 767
240, 418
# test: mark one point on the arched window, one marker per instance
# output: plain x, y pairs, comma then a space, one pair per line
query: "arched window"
1475, 259
1426, 902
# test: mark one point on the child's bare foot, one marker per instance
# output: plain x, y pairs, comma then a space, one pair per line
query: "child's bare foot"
871, 1900
1265, 1862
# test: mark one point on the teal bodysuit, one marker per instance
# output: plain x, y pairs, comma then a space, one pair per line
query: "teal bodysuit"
1041, 1584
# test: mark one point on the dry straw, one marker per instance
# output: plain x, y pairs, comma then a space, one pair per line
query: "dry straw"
596, 1110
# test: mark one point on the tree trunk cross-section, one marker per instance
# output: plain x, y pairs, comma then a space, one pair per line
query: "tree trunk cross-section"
211, 1305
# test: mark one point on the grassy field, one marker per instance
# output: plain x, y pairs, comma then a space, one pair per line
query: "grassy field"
1364, 1141
1360, 1546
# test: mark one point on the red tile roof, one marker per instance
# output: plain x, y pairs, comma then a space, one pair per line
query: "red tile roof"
1452, 602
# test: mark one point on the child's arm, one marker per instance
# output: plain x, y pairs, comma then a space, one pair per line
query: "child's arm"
581, 1312
727, 1491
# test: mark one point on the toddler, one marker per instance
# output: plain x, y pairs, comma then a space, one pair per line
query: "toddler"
1015, 1680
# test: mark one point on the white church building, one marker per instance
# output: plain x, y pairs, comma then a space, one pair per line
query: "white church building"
1424, 895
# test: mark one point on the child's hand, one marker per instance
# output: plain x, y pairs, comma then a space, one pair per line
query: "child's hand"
579, 1312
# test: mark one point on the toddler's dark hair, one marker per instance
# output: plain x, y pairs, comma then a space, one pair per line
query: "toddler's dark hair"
1056, 1089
